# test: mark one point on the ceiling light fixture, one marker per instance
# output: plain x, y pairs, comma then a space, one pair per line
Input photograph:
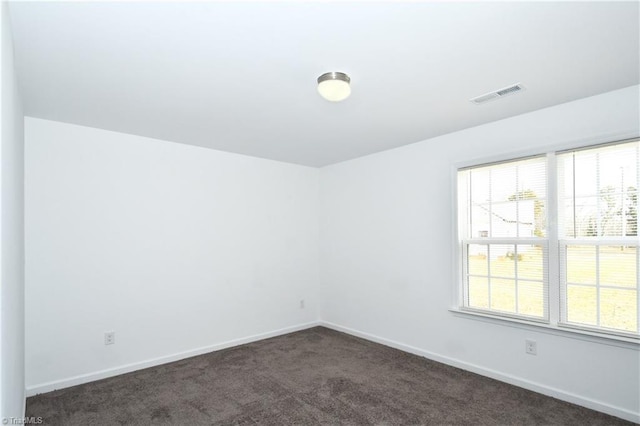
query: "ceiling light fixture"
334, 86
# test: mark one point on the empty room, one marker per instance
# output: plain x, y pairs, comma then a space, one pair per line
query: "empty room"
320, 213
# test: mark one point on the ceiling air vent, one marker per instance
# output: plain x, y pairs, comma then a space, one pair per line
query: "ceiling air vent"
515, 88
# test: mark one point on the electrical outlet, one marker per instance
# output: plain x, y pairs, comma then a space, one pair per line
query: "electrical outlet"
531, 347
301, 303
109, 337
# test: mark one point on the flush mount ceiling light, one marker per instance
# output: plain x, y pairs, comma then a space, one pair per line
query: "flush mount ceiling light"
334, 86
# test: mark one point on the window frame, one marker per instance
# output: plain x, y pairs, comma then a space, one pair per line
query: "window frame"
553, 322
463, 227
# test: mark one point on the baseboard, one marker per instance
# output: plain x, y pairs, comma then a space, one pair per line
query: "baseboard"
507, 378
128, 368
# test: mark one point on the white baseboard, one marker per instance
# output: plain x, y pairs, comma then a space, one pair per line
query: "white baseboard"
523, 383
115, 371
507, 378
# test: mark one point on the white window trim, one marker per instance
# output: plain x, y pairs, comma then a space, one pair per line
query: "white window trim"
553, 325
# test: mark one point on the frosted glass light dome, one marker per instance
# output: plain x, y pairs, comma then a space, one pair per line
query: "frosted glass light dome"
334, 86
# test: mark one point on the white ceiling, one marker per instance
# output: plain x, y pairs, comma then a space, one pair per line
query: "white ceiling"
240, 77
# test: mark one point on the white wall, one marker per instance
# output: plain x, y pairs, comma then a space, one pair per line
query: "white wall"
12, 394
181, 250
387, 267
178, 249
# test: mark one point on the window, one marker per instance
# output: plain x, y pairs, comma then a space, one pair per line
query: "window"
598, 237
512, 234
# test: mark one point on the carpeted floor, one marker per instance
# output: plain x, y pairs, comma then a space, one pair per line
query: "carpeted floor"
315, 376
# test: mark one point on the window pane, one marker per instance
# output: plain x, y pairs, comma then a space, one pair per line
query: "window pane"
480, 220
531, 298
539, 208
586, 181
610, 204
503, 181
531, 195
480, 197
478, 292
619, 309
605, 302
502, 262
568, 219
581, 264
480, 185
508, 199
504, 219
630, 212
493, 271
586, 218
599, 191
530, 262
618, 266
477, 262
582, 305
503, 295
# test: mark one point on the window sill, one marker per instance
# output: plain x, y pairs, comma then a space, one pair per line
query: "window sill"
571, 333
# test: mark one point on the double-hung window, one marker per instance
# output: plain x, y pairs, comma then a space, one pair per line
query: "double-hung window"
553, 239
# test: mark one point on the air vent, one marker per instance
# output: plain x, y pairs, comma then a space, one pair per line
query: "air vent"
515, 88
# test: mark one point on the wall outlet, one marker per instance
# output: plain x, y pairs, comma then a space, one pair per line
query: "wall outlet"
301, 303
531, 347
109, 337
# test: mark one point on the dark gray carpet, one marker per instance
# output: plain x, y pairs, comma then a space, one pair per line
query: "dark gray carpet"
316, 376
